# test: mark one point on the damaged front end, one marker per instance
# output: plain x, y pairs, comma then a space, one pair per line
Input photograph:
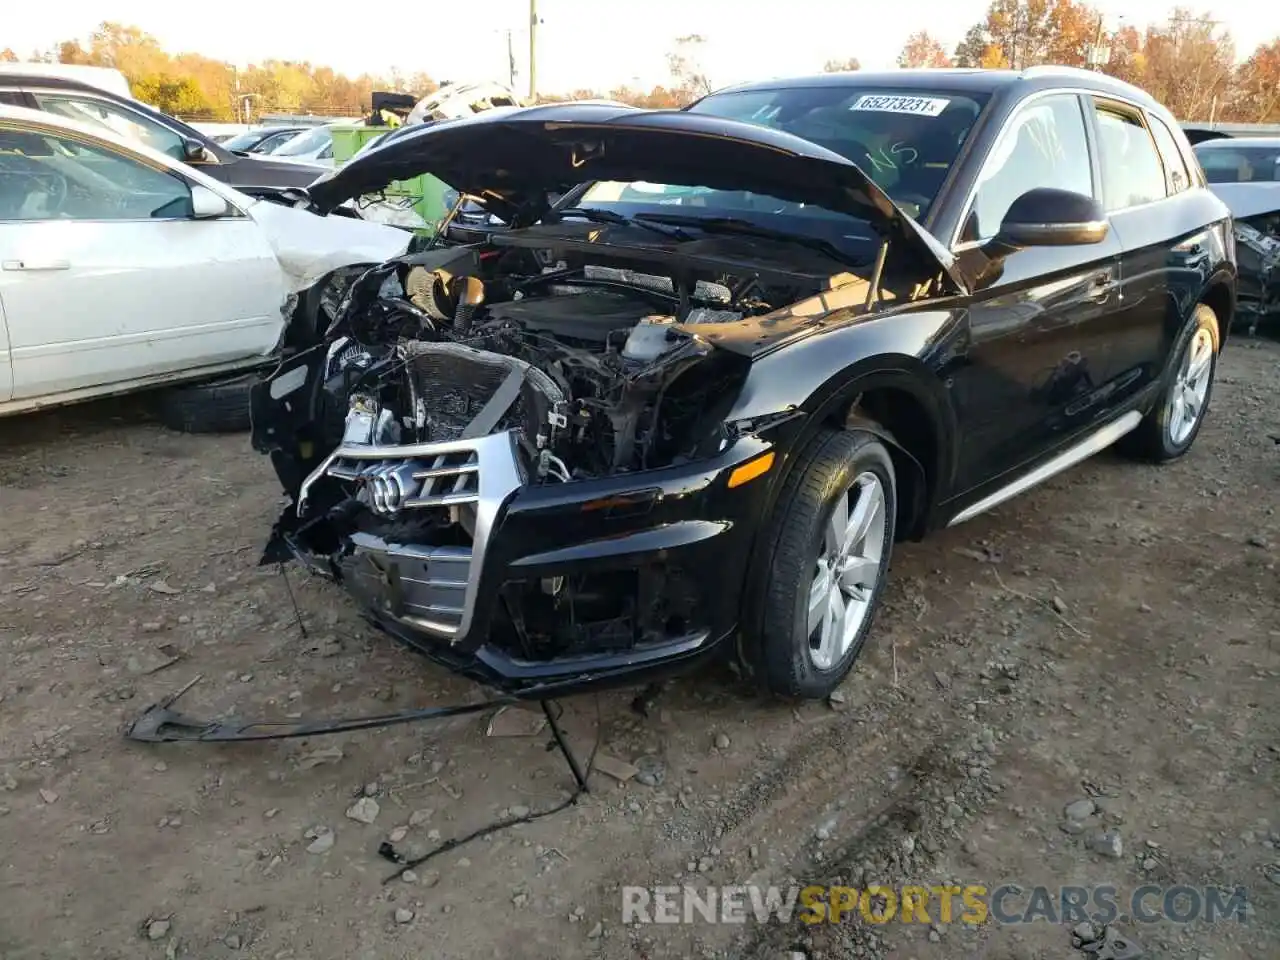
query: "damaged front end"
518, 457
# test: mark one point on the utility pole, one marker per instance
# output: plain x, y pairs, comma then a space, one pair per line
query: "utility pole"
511, 61
533, 49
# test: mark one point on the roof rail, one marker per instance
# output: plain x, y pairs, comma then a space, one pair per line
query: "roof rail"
1058, 68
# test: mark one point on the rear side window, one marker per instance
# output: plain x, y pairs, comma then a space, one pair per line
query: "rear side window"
1177, 176
1132, 173
1238, 164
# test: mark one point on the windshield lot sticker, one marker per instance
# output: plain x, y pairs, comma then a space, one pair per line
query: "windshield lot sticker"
920, 106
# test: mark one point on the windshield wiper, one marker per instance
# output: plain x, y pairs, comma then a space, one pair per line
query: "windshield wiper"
745, 228
597, 215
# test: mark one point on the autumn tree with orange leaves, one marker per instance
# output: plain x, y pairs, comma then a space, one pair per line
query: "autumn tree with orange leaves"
921, 50
1023, 33
1257, 91
1186, 61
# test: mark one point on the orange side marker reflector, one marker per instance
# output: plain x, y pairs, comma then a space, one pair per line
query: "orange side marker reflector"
750, 470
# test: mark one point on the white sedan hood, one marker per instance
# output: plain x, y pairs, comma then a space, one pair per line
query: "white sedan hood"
309, 246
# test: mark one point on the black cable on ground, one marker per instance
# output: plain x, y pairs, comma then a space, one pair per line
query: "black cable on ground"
387, 851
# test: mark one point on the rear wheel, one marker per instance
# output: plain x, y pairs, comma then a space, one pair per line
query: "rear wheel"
1169, 430
829, 545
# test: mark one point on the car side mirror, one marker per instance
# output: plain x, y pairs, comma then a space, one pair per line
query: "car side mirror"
207, 205
193, 151
1048, 217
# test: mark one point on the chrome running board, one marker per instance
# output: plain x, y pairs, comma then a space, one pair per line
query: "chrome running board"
1098, 440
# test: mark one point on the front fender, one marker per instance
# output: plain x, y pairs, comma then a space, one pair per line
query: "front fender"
818, 378
805, 374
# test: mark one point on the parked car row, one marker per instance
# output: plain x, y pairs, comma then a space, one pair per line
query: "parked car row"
1245, 173
111, 113
122, 267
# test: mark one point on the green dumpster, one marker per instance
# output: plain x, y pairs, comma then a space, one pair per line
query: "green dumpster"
425, 194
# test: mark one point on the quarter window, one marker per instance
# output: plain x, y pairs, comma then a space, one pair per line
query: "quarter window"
1177, 176
1044, 145
1132, 173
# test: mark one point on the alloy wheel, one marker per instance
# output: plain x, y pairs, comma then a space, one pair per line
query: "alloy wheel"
848, 570
1186, 401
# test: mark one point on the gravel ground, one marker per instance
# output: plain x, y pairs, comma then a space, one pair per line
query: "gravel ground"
1108, 641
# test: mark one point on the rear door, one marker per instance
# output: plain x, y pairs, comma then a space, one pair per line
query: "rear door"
1154, 210
107, 277
1039, 320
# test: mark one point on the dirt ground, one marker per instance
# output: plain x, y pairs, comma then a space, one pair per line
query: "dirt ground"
1110, 637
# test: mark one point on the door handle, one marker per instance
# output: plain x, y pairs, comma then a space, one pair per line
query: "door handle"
1101, 286
36, 265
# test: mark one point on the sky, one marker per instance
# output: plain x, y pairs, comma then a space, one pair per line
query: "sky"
596, 44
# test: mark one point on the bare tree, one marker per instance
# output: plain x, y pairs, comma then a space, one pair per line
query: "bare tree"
1189, 65
685, 64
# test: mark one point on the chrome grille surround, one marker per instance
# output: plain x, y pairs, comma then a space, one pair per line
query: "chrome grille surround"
481, 473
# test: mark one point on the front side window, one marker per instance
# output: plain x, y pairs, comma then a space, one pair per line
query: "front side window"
1044, 144
119, 120
1177, 176
1132, 172
55, 177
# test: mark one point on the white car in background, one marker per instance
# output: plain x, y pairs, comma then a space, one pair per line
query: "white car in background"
122, 268
313, 146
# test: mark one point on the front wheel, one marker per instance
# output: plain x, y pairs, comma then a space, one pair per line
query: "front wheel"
829, 545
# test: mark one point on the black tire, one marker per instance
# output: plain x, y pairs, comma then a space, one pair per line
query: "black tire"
218, 406
825, 470
1153, 441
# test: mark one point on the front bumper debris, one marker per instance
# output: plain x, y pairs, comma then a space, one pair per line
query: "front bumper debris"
159, 723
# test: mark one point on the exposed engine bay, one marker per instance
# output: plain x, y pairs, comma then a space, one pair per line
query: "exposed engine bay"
599, 368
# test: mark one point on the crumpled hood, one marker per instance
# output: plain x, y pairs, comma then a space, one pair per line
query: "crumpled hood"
512, 159
308, 246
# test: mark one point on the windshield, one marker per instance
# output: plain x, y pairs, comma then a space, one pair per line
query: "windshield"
1240, 164
306, 143
904, 140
